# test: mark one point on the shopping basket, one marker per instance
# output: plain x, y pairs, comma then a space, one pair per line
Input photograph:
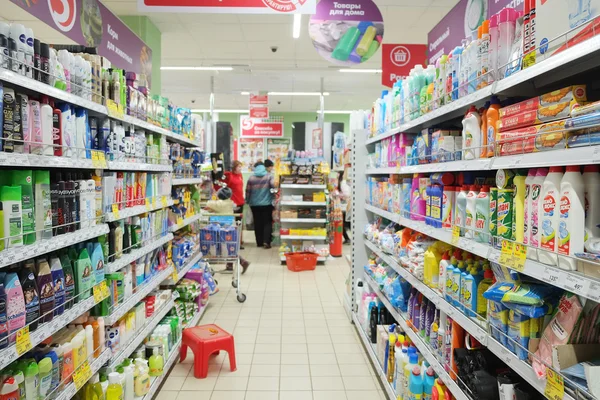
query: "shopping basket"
301, 261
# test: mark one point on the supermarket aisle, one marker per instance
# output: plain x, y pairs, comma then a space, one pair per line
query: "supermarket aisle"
293, 339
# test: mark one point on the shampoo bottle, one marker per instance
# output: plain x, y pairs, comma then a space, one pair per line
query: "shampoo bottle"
46, 288
58, 279
15, 305
31, 295
24, 179
13, 218
43, 205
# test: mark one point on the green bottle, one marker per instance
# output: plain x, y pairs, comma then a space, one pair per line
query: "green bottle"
156, 363
24, 179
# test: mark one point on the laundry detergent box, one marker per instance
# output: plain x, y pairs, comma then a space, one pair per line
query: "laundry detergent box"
443, 145
423, 144
577, 93
562, 24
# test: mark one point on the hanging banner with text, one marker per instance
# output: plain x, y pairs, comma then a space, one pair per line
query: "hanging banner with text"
251, 128
89, 23
461, 22
398, 59
259, 105
230, 6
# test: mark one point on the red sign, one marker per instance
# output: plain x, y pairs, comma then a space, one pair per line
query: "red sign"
259, 99
398, 59
259, 112
253, 128
259, 105
230, 6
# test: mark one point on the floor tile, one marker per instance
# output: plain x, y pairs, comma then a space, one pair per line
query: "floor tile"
359, 383
294, 359
295, 395
327, 383
321, 370
329, 395
295, 370
231, 384
269, 359
263, 383
227, 395
265, 370
194, 384
261, 395
167, 394
174, 383
295, 383
188, 395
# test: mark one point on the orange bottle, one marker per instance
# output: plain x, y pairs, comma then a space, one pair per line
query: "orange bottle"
484, 142
493, 116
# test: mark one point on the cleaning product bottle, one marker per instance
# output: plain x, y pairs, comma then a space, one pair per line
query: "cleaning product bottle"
549, 216
428, 383
488, 280
528, 204
444, 263
461, 209
470, 215
32, 381
142, 378
156, 363
484, 140
417, 207
591, 179
492, 116
519, 207
505, 204
391, 359
482, 215
401, 360
45, 367
10, 389
441, 337
415, 385
484, 58
535, 212
449, 279
471, 134
114, 390
413, 361
129, 382
571, 218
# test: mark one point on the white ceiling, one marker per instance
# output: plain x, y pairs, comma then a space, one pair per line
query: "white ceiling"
244, 41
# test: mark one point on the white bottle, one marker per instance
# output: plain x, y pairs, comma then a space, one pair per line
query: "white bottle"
401, 361
470, 212
102, 336
65, 59
91, 201
506, 36
535, 213
471, 134
460, 213
482, 215
29, 53
549, 216
493, 49
47, 125
443, 268
528, 200
17, 33
128, 390
591, 179
35, 122
572, 218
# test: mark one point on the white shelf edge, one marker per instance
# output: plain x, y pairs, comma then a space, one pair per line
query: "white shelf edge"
186, 222
136, 210
70, 390
141, 334
35, 160
17, 254
305, 220
590, 287
194, 321
46, 330
187, 181
146, 288
303, 203
391, 395
302, 237
137, 166
136, 254
301, 186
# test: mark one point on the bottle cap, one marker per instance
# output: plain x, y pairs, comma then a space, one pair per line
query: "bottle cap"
44, 50
413, 358
430, 371
114, 378
494, 21
591, 168
574, 168
416, 370
556, 169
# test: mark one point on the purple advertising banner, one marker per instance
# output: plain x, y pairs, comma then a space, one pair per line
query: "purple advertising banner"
461, 22
90, 23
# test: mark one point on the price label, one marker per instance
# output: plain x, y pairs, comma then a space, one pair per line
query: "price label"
104, 289
555, 385
577, 284
506, 253
163, 201
148, 204
552, 276
455, 235
102, 159
115, 210
594, 292
154, 202
175, 276
114, 110
179, 221
100, 291
23, 341
82, 375
519, 257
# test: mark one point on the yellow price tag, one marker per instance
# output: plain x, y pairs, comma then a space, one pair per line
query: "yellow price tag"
519, 257
95, 159
163, 201
104, 289
82, 375
555, 385
23, 341
115, 210
114, 110
455, 234
154, 202
100, 291
148, 204
175, 276
506, 253
179, 221
102, 159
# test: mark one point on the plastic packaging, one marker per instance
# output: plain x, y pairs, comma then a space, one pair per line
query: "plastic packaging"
471, 134
571, 218
549, 213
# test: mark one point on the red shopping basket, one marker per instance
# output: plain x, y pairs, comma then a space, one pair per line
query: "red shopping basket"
301, 261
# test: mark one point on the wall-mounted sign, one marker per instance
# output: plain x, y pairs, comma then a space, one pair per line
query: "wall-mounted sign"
346, 32
251, 128
230, 6
398, 59
259, 105
90, 23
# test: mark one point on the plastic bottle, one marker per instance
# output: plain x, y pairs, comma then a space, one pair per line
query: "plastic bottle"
484, 58
93, 390
470, 215
417, 207
415, 385
444, 263
492, 116
13, 218
571, 217
114, 390
535, 210
401, 361
482, 215
507, 18
471, 134
461, 208
528, 204
484, 139
488, 280
455, 66
549, 216
32, 381
142, 378
413, 361
519, 207
591, 179
45, 286
45, 367
428, 383
10, 389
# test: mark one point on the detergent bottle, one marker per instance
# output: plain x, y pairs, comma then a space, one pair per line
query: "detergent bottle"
402, 361
518, 225
549, 213
428, 383
482, 215
413, 361
471, 212
528, 204
493, 116
417, 202
484, 141
591, 178
415, 385
456, 281
571, 218
488, 280
535, 210
471, 134
455, 66
440, 391
461, 209
398, 368
443, 266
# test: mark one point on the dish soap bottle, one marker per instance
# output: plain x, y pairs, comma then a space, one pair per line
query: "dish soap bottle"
142, 378
114, 390
471, 134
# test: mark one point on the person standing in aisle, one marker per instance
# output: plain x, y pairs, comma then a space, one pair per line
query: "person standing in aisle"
269, 166
235, 181
345, 193
260, 199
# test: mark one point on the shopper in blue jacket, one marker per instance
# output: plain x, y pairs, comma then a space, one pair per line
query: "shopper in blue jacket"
260, 199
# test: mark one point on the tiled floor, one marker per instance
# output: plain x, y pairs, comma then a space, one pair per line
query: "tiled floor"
293, 339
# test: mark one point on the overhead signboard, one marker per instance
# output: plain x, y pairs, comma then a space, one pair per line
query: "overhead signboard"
230, 6
89, 23
251, 128
259, 105
398, 59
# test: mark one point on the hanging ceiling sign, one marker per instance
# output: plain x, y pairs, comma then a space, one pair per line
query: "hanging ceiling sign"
259, 105
89, 23
251, 128
398, 59
347, 32
230, 6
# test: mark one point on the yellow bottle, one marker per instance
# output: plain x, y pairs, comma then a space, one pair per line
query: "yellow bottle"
114, 390
141, 378
519, 208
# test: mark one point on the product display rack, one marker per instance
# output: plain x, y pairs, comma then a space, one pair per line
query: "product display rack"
141, 334
303, 203
138, 166
185, 222
70, 390
186, 268
187, 181
157, 382
137, 210
136, 254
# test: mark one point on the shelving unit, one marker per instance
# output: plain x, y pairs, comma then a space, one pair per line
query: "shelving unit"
185, 222
138, 210
70, 390
136, 254
187, 181
301, 237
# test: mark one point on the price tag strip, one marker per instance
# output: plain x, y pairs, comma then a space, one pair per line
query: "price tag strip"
555, 385
94, 366
137, 254
137, 210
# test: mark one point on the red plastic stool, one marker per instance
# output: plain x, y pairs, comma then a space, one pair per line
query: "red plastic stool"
204, 340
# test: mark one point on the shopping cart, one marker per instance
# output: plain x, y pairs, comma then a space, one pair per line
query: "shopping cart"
220, 238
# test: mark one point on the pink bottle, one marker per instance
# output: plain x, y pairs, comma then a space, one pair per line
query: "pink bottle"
417, 202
